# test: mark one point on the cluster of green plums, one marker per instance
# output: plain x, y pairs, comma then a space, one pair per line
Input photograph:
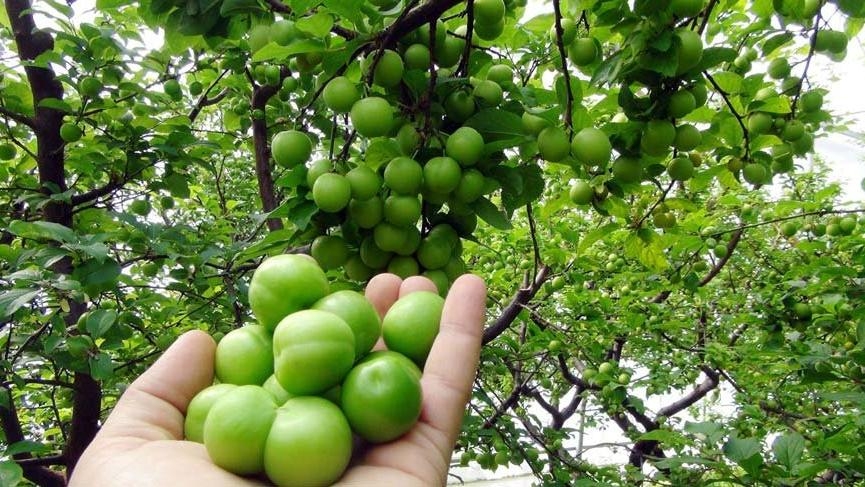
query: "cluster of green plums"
293, 390
408, 214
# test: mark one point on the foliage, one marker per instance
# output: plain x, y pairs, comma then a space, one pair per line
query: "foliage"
642, 308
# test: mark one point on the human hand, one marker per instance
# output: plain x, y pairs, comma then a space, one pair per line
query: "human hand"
141, 441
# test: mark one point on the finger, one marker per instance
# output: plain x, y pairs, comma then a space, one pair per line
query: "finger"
416, 283
152, 408
452, 362
382, 291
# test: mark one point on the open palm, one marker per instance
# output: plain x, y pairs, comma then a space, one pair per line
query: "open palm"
141, 441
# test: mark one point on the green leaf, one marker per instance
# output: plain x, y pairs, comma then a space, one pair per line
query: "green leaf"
11, 474
13, 299
100, 321
56, 104
488, 212
381, 151
344, 8
495, 124
97, 275
728, 81
788, 450
238, 7
772, 44
42, 230
777, 104
302, 6
713, 56
661, 435
743, 451
317, 25
101, 367
274, 51
26, 446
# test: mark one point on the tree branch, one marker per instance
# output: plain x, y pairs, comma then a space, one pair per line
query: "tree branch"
512, 310
431, 10
697, 393
569, 107
22, 119
260, 96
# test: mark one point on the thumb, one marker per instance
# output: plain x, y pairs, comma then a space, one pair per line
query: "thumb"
153, 407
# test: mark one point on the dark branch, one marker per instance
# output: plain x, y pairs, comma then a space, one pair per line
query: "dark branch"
512, 310
22, 119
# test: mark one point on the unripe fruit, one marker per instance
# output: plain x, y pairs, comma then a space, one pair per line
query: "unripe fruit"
811, 101
358, 313
687, 138
402, 211
90, 87
330, 251
465, 145
779, 68
755, 173
760, 123
583, 51
284, 284
681, 169
681, 103
372, 255
244, 356
690, 49
296, 453
433, 254
282, 32
489, 31
417, 56
501, 74
459, 106
657, 137
7, 152
569, 31
553, 144
259, 36
356, 270
470, 187
408, 139
581, 192
793, 130
372, 116
316, 169
365, 183
290, 148
388, 237
410, 326
489, 11
366, 213
403, 266
388, 71
70, 132
488, 93
313, 351
441, 175
403, 175
242, 416
533, 124
591, 147
199, 408
331, 192
340, 94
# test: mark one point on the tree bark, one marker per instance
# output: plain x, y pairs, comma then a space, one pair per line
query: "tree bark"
50, 162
